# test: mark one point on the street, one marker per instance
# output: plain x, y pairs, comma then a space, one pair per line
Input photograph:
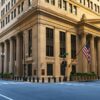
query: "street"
10, 90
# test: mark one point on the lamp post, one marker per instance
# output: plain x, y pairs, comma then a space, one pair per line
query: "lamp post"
2, 56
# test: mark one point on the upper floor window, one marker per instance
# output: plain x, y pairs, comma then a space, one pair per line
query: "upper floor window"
70, 8
49, 42
22, 6
47, 1
30, 42
64, 5
53, 2
59, 3
29, 2
2, 2
19, 9
75, 10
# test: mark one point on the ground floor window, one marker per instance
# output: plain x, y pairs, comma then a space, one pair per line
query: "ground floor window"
73, 68
49, 69
29, 69
62, 70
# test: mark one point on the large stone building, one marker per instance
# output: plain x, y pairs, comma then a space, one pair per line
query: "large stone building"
33, 33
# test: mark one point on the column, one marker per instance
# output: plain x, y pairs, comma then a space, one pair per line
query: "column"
92, 54
41, 60
79, 57
68, 50
84, 59
5, 57
11, 57
68, 47
18, 58
98, 56
56, 53
0, 58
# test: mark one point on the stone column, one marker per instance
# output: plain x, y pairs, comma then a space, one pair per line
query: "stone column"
79, 57
18, 58
41, 60
68, 47
5, 57
11, 56
0, 58
98, 56
68, 50
84, 59
56, 53
92, 54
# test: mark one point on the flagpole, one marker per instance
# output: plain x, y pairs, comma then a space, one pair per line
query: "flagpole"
69, 66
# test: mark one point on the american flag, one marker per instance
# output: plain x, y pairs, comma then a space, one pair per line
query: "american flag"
86, 52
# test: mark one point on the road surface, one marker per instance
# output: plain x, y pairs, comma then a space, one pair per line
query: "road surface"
10, 90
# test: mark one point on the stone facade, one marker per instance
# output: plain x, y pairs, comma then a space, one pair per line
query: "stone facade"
83, 23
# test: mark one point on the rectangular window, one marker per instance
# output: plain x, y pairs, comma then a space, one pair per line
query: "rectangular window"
8, 18
49, 42
91, 3
22, 6
59, 3
9, 6
47, 1
75, 10
29, 69
53, 2
49, 69
73, 46
88, 2
62, 70
62, 43
14, 13
30, 42
64, 5
70, 8
29, 2
19, 9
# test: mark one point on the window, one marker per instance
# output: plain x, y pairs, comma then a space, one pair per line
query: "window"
91, 5
64, 5
62, 43
6, 8
8, 18
29, 2
49, 42
47, 1
95, 6
30, 42
88, 2
42, 72
49, 69
75, 10
19, 9
73, 46
98, 9
59, 4
29, 69
12, 15
9, 6
53, 2
22, 6
70, 8
62, 70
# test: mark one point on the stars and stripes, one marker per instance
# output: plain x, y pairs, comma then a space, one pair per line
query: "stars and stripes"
86, 52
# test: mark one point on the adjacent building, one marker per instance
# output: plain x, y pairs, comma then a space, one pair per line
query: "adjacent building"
35, 33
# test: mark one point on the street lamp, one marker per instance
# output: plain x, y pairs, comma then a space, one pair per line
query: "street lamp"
2, 56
